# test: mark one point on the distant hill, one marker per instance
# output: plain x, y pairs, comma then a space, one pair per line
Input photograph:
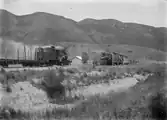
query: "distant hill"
47, 28
110, 31
134, 40
40, 28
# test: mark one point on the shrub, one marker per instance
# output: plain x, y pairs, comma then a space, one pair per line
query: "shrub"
99, 69
72, 70
85, 57
8, 88
52, 82
152, 68
19, 77
10, 75
2, 78
158, 107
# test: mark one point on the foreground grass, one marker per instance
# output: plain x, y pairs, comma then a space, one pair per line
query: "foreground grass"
143, 101
140, 102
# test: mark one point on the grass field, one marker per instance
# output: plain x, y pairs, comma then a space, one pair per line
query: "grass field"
132, 51
101, 93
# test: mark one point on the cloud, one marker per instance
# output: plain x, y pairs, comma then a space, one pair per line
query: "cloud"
10, 1
148, 3
152, 11
1, 3
145, 3
115, 1
140, 2
85, 1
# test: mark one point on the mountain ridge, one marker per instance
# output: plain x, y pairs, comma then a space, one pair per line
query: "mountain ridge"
45, 28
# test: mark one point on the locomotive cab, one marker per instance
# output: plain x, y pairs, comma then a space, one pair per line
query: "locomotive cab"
51, 55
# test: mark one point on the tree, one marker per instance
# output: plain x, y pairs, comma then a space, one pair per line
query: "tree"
85, 57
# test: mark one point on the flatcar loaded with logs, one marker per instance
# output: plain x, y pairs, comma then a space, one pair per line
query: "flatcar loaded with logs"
44, 56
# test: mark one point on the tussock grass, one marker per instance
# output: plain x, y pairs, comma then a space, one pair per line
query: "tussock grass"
132, 104
142, 101
72, 70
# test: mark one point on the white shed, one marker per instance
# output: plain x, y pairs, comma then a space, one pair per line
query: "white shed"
77, 60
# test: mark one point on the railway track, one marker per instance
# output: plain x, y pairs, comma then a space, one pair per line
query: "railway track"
50, 67
30, 68
20, 68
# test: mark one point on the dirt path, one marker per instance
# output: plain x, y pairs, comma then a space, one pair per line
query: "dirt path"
102, 89
116, 85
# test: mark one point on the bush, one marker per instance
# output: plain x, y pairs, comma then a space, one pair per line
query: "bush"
158, 107
85, 57
2, 78
52, 82
8, 89
72, 70
152, 68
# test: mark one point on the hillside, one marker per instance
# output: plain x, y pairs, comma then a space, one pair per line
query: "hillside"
110, 31
44, 28
47, 28
132, 51
40, 28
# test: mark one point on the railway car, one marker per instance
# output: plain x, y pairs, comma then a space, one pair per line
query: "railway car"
112, 58
43, 56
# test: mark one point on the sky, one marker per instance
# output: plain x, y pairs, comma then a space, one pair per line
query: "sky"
149, 12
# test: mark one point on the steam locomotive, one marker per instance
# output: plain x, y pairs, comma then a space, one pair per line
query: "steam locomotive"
44, 56
113, 58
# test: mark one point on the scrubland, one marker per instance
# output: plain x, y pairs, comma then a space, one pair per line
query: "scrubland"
82, 93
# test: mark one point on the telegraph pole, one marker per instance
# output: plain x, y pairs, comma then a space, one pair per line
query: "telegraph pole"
31, 52
28, 54
89, 53
18, 54
5, 52
25, 46
48, 41
24, 51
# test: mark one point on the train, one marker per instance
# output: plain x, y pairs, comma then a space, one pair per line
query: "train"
44, 56
114, 58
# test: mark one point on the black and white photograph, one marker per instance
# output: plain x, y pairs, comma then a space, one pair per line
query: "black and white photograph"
83, 59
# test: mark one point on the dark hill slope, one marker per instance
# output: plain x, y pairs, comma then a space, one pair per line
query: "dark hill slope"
41, 28
112, 31
44, 28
